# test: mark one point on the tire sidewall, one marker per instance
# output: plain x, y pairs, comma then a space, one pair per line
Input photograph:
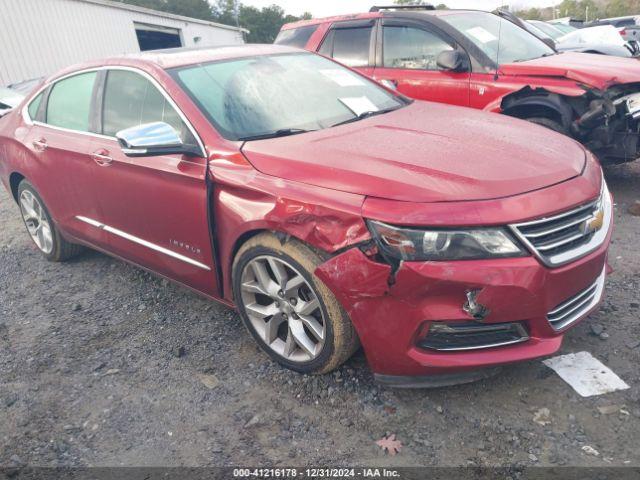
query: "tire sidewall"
318, 363
55, 235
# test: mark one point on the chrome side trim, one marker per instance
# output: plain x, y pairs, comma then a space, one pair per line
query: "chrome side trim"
578, 305
142, 242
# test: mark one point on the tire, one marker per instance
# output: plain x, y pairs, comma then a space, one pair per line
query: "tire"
43, 231
277, 317
548, 123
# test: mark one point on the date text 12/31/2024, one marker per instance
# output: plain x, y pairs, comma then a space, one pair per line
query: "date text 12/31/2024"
286, 473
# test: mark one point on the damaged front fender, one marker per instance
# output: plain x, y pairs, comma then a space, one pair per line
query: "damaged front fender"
599, 119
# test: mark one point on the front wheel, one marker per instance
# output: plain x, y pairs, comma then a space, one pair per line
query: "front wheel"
292, 315
548, 123
42, 230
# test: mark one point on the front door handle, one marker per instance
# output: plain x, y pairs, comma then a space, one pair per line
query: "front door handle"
40, 145
102, 158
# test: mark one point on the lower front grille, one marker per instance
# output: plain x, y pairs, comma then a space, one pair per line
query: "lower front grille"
577, 306
457, 336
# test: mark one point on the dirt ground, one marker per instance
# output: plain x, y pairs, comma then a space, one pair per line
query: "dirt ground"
102, 364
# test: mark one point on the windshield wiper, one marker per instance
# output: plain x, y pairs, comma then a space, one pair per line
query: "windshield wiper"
544, 55
283, 132
367, 114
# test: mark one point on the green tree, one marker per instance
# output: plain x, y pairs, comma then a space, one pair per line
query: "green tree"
263, 24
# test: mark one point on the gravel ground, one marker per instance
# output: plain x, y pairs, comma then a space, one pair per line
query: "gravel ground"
102, 364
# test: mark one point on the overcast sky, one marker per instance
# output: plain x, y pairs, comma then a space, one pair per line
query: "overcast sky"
325, 8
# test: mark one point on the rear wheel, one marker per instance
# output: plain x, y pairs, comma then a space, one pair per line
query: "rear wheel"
41, 228
292, 315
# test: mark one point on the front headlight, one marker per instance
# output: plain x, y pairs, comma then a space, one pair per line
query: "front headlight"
444, 244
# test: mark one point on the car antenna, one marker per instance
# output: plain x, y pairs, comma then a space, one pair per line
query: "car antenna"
495, 76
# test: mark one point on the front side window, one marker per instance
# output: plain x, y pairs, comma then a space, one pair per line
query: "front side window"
131, 100
349, 46
296, 37
499, 39
412, 48
262, 95
69, 103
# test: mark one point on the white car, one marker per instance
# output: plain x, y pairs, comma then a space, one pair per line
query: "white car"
9, 99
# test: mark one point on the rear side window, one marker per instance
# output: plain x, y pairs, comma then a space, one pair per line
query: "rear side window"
34, 106
131, 100
349, 46
69, 103
296, 37
412, 48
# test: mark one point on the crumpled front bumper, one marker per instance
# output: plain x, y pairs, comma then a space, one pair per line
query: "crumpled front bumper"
389, 311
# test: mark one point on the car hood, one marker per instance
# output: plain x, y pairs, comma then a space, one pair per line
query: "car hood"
598, 71
425, 152
602, 48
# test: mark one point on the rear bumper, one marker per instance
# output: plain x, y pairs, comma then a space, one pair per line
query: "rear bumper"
392, 319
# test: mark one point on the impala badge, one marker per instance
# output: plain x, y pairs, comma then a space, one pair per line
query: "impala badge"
185, 246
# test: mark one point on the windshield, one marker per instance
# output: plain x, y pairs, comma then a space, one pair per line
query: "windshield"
498, 38
281, 94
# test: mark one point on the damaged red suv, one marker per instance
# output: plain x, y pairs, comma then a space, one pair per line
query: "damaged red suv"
330, 211
480, 60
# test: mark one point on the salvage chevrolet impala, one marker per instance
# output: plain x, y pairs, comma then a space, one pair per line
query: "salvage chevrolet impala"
329, 210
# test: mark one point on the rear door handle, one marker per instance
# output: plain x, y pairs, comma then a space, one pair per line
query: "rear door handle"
102, 158
40, 145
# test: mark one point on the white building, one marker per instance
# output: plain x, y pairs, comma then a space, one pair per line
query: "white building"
38, 37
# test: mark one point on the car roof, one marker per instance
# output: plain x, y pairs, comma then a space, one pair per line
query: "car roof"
416, 14
179, 57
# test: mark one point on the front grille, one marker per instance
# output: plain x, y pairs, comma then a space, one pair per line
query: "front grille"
570, 235
575, 307
456, 336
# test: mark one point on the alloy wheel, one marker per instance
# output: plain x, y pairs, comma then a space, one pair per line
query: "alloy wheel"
283, 308
37, 222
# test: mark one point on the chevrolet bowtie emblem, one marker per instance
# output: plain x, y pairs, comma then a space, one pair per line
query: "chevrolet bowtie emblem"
595, 223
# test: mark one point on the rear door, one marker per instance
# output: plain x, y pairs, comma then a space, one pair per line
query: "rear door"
407, 59
154, 208
352, 44
60, 140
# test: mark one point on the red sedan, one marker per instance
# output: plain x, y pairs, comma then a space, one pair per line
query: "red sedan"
329, 210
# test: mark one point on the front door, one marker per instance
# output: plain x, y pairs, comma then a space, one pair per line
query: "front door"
408, 61
154, 209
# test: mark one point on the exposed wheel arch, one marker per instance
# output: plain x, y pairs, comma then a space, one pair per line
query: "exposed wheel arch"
527, 104
282, 236
548, 123
14, 181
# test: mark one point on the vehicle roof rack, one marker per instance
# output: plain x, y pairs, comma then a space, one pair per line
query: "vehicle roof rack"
426, 6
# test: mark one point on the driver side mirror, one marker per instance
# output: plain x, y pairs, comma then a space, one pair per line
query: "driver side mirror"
452, 60
153, 139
